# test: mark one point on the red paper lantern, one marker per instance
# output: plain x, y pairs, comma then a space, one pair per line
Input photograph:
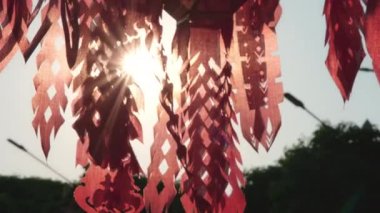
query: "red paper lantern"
213, 68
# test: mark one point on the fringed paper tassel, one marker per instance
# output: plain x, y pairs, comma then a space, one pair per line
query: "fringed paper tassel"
234, 200
344, 21
210, 180
371, 32
164, 167
257, 91
51, 81
15, 18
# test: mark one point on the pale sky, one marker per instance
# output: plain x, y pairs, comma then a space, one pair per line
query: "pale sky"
300, 31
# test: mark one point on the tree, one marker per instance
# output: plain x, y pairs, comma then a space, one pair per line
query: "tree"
35, 195
337, 170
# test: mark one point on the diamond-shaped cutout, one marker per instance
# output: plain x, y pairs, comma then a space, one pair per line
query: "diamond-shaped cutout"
269, 127
214, 66
163, 167
95, 71
47, 114
201, 69
206, 158
208, 122
204, 134
160, 186
96, 94
204, 176
228, 190
202, 91
257, 38
96, 119
165, 148
51, 92
211, 83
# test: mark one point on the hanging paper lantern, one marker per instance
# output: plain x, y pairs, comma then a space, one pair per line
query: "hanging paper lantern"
213, 67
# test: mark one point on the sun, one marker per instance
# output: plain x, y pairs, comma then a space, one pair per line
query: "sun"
142, 63
144, 68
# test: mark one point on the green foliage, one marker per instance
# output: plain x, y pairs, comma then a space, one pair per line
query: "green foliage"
35, 195
337, 170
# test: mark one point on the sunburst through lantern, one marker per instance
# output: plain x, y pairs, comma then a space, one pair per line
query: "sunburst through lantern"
195, 68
